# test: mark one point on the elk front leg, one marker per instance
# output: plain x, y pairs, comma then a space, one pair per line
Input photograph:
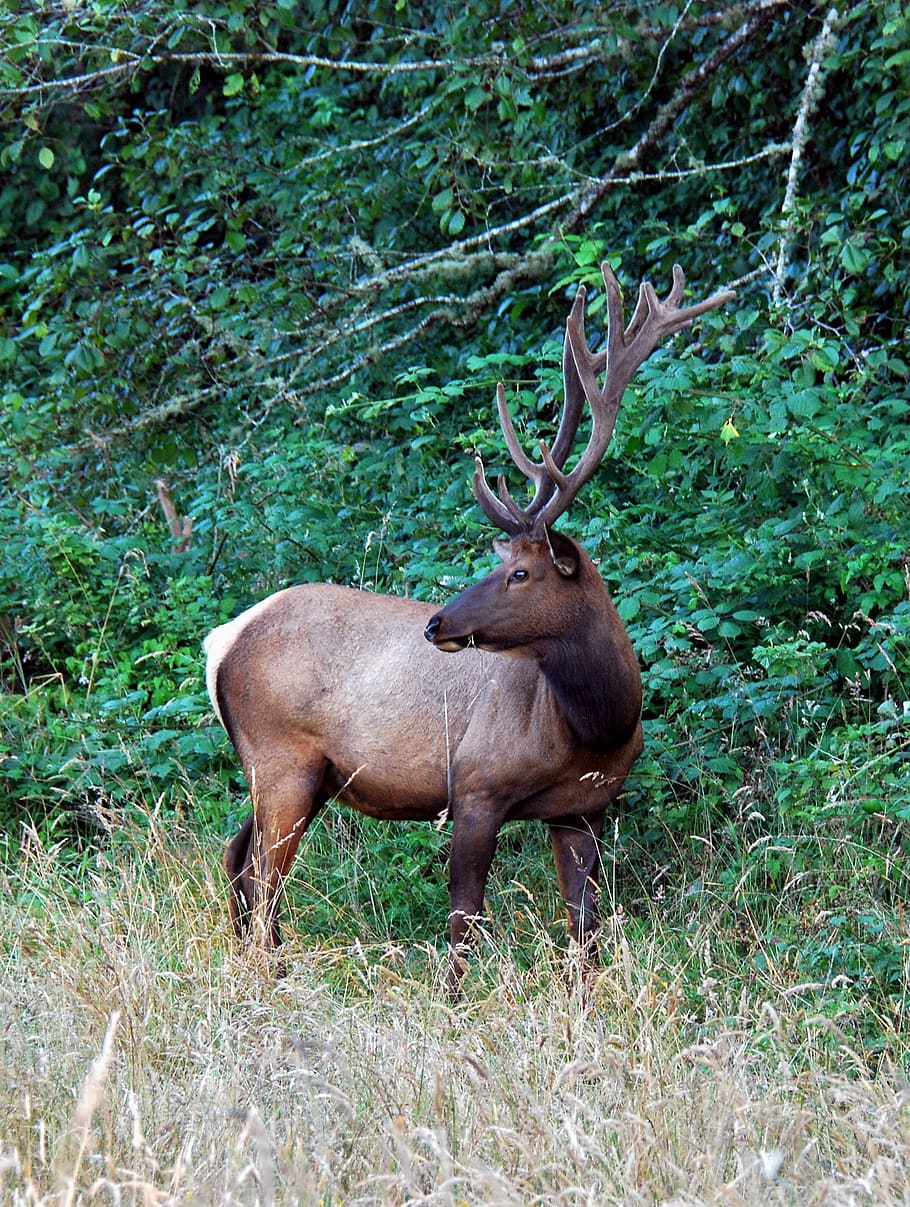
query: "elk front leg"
577, 857
474, 833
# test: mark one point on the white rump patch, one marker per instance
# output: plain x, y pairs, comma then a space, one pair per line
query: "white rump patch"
220, 640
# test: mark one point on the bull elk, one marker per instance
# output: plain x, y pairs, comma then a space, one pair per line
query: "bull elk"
332, 693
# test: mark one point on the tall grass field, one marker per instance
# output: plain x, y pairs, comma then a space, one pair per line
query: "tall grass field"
145, 1060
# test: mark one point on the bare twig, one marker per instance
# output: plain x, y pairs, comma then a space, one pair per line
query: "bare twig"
810, 97
124, 61
180, 527
758, 14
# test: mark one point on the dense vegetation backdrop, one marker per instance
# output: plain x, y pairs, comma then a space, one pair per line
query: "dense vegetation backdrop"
263, 263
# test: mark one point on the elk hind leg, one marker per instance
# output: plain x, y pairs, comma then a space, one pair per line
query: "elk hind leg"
237, 865
258, 859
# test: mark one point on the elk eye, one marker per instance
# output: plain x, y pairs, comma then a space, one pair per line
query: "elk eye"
518, 576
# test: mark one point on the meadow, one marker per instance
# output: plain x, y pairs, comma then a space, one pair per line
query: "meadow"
144, 1060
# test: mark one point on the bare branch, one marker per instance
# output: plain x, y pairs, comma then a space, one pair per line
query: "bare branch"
810, 98
124, 61
180, 528
668, 113
366, 144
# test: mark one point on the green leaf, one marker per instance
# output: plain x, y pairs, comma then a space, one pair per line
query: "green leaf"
443, 200
826, 357
854, 258
900, 59
803, 404
474, 98
46, 158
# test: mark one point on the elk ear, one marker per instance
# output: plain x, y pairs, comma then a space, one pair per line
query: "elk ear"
564, 554
502, 549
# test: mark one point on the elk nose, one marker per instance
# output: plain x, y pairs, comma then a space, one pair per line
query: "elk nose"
432, 627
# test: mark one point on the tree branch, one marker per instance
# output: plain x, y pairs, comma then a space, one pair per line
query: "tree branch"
759, 14
811, 93
125, 60
355, 324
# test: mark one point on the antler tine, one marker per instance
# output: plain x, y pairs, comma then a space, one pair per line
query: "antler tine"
627, 348
491, 506
516, 452
545, 474
674, 297
573, 390
504, 511
615, 321
646, 300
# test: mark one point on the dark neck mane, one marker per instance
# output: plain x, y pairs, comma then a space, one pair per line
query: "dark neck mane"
595, 684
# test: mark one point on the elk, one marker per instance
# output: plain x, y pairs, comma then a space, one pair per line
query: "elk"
330, 693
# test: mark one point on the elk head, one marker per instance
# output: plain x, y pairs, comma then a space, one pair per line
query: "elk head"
515, 606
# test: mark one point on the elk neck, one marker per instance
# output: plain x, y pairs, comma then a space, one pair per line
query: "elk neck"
591, 668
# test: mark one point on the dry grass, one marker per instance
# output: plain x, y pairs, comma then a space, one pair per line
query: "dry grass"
142, 1061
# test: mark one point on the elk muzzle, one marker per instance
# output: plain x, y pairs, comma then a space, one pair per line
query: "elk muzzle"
435, 634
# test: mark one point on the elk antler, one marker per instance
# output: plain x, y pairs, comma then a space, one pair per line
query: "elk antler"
626, 349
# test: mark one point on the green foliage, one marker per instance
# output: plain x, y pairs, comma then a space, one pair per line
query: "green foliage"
279, 260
